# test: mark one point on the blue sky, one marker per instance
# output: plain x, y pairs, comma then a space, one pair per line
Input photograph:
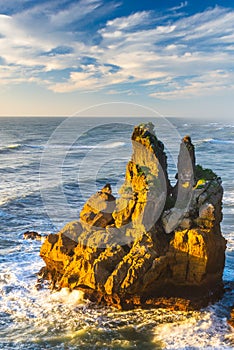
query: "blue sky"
59, 56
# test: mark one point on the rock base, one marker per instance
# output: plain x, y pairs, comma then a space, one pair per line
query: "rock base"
155, 245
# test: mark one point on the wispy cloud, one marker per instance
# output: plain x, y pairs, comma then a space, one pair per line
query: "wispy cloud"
203, 85
171, 57
74, 13
128, 23
179, 7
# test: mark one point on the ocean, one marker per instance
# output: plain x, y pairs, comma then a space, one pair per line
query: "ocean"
49, 167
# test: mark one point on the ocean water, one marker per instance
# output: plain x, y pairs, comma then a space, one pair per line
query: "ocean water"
48, 169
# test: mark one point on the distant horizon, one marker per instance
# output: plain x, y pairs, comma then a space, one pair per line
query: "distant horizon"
217, 119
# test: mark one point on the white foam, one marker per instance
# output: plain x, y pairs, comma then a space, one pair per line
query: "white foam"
113, 145
230, 242
202, 331
13, 146
211, 140
101, 145
66, 296
64, 317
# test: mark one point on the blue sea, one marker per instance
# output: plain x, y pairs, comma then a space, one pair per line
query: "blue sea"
48, 169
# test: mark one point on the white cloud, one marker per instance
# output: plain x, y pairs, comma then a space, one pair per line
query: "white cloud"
129, 22
214, 23
143, 55
121, 92
78, 80
181, 6
166, 59
204, 85
74, 12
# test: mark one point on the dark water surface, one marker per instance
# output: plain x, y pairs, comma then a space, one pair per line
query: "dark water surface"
48, 169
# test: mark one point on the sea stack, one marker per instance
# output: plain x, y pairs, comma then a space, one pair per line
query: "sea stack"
154, 245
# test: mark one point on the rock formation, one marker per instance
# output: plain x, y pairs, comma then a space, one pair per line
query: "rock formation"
32, 235
155, 244
231, 319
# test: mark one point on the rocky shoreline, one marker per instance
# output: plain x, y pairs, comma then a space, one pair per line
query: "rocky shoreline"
155, 245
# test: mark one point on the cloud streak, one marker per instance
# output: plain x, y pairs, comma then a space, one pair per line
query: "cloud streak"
179, 56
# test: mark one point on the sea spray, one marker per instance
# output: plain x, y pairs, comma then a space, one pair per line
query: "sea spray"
30, 319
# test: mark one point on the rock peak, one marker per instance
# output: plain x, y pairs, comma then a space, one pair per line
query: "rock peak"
107, 189
143, 130
154, 241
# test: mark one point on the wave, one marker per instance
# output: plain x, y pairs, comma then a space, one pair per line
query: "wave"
18, 146
34, 146
7, 148
99, 146
200, 331
72, 298
216, 141
110, 145
228, 125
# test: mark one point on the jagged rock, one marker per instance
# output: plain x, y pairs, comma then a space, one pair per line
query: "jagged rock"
146, 186
196, 255
32, 235
183, 190
151, 245
171, 219
99, 208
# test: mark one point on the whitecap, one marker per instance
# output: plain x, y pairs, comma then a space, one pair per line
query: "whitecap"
17, 145
34, 146
216, 141
113, 145
198, 142
103, 145
202, 331
72, 298
10, 147
222, 141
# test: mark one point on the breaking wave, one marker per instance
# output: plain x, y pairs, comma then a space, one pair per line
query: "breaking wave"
218, 141
15, 147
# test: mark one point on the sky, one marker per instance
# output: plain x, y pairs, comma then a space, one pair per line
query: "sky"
58, 57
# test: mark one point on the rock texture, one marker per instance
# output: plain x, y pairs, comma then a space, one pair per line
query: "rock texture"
99, 208
231, 319
155, 244
32, 235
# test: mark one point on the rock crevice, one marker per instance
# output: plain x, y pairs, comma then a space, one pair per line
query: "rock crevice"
155, 241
